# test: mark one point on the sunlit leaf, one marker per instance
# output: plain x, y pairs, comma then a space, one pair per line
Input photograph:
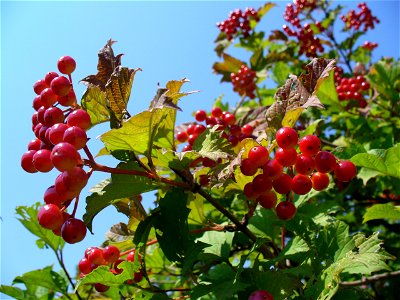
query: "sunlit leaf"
382, 211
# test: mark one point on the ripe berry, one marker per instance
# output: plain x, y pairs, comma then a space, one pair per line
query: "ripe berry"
229, 119
37, 102
262, 183
95, 256
248, 191
216, 112
49, 77
304, 164
64, 156
248, 168
286, 157
287, 137
101, 288
74, 179
131, 256
273, 168
261, 295
34, 144
190, 129
282, 184
85, 266
182, 136
258, 155
39, 86
247, 130
301, 184
345, 171
52, 197
111, 254
267, 200
208, 162
66, 64
48, 97
73, 231
320, 181
285, 210
27, 162
310, 145
53, 115
75, 136
56, 133
79, 118
200, 115
192, 138
50, 216
61, 86
42, 162
199, 128
325, 161
68, 100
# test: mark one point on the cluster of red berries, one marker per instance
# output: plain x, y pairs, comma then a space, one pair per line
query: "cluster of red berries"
59, 136
261, 295
109, 255
352, 89
369, 45
309, 43
238, 21
357, 19
244, 82
304, 171
225, 121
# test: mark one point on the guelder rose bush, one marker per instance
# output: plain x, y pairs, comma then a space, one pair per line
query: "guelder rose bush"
289, 194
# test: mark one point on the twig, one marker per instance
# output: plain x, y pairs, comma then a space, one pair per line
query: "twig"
61, 262
366, 280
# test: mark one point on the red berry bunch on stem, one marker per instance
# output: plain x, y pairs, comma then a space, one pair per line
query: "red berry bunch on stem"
60, 134
244, 82
290, 172
238, 22
352, 89
369, 45
362, 18
110, 255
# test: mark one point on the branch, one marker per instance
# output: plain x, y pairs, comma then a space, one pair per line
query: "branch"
61, 262
366, 280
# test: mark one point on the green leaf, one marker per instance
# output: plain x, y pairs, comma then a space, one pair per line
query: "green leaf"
210, 144
94, 101
143, 229
361, 55
219, 243
14, 292
382, 211
366, 174
348, 152
114, 189
228, 66
45, 278
280, 72
326, 92
386, 162
384, 77
28, 217
171, 224
257, 60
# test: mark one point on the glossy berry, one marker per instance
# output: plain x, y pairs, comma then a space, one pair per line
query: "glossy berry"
229, 119
200, 115
304, 164
73, 231
320, 181
261, 295
101, 288
79, 118
258, 155
273, 169
244, 82
75, 136
47, 97
56, 133
66, 64
85, 266
199, 128
50, 216
182, 136
267, 200
248, 168
49, 77
310, 145
262, 183
74, 179
61, 86
111, 254
285, 210
37, 102
95, 256
287, 137
53, 115
42, 161
216, 112
301, 184
39, 86
34, 144
247, 130
345, 171
64, 156
286, 157
248, 191
52, 197
68, 100
325, 161
282, 184
27, 161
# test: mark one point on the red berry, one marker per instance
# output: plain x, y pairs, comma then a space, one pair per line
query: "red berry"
320, 181
27, 161
37, 102
199, 128
304, 164
200, 115
101, 288
79, 118
75, 136
286, 157
66, 64
345, 171
301, 184
47, 97
261, 295
39, 86
262, 183
49, 77
258, 155
42, 161
56, 133
325, 161
187, 148
182, 136
273, 168
53, 115
267, 200
285, 210
248, 168
287, 137
68, 100
50, 216
52, 197
34, 144
61, 86
216, 112
64, 156
73, 231
192, 138
247, 130
85, 266
190, 129
282, 184
204, 180
74, 179
229, 119
310, 145
95, 256
248, 191
208, 162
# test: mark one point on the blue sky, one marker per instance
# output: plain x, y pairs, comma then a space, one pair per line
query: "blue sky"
168, 40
